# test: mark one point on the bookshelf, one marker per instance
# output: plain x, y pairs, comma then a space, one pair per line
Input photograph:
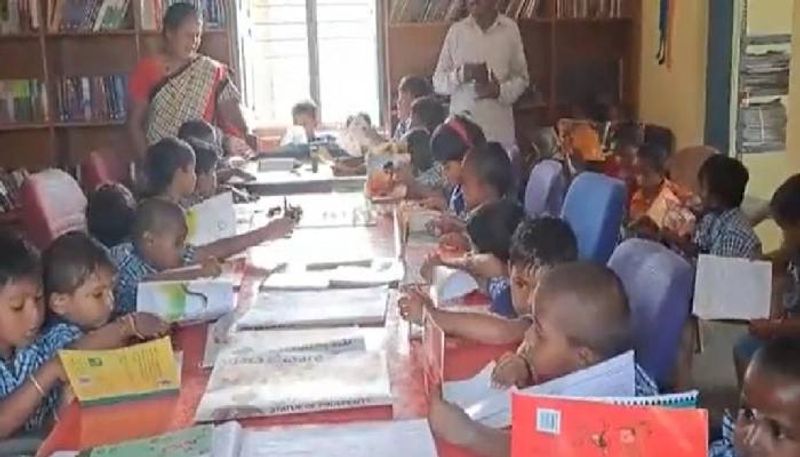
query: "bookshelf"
573, 48
53, 55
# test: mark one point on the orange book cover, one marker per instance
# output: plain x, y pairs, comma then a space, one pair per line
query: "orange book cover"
551, 426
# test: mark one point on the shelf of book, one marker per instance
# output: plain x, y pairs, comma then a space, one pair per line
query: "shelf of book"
24, 126
90, 33
89, 124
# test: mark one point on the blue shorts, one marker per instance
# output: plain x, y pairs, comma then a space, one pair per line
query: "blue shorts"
746, 347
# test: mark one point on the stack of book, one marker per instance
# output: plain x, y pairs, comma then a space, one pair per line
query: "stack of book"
214, 14
10, 183
22, 101
765, 74
86, 15
92, 98
19, 16
589, 9
762, 126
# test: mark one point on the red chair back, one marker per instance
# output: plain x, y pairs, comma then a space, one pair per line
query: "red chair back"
52, 204
101, 167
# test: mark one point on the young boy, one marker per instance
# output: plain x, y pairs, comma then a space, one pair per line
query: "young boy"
537, 246
170, 170
425, 179
207, 156
158, 245
723, 230
304, 114
207, 134
650, 174
581, 318
110, 213
409, 89
768, 424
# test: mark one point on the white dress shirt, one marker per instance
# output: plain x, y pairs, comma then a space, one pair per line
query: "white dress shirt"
500, 47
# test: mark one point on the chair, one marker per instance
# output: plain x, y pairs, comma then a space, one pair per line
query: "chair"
52, 204
594, 207
684, 165
659, 285
544, 193
101, 167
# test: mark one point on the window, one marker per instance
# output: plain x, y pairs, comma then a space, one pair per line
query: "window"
323, 50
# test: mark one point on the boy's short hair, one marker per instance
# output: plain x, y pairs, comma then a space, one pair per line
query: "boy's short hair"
492, 225
415, 86
726, 179
655, 156
155, 215
595, 301
110, 213
492, 166
305, 107
785, 203
452, 139
18, 259
780, 356
69, 261
198, 129
164, 159
418, 142
543, 242
429, 111
206, 155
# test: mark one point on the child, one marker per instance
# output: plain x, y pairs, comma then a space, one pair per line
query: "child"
170, 170
79, 286
651, 180
304, 114
581, 318
207, 134
207, 156
158, 245
768, 424
723, 229
425, 179
409, 89
537, 246
110, 213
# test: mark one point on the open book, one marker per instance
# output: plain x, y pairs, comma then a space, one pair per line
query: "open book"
352, 274
211, 220
111, 376
668, 212
449, 284
186, 301
729, 288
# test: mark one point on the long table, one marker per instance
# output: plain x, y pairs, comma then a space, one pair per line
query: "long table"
300, 180
83, 427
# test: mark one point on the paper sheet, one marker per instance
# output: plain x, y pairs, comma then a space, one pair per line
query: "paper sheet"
449, 284
735, 289
297, 280
381, 271
211, 220
384, 439
471, 391
186, 301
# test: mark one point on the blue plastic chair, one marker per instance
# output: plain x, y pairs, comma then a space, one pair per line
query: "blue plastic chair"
594, 207
544, 193
659, 285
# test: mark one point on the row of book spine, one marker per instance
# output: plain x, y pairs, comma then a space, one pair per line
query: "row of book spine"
425, 11
22, 101
521, 9
19, 16
87, 15
92, 98
589, 9
214, 12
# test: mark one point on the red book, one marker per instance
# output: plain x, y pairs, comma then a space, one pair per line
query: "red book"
551, 426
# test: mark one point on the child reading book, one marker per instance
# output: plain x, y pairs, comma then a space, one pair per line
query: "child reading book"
768, 423
209, 135
110, 213
581, 318
170, 170
207, 156
537, 246
158, 245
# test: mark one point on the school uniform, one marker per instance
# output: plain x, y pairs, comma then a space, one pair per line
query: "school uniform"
723, 447
456, 204
499, 289
131, 270
727, 234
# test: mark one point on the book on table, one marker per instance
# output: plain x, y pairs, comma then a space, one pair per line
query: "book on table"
211, 220
186, 301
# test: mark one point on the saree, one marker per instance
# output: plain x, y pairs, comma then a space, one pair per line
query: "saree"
193, 92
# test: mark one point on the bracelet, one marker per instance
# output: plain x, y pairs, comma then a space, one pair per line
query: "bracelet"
38, 386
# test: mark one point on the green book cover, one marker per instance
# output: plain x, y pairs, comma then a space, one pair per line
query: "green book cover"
191, 442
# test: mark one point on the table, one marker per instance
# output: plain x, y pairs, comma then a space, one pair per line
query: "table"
300, 180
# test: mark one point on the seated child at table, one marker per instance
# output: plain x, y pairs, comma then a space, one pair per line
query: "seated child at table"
425, 179
410, 89
79, 290
581, 318
537, 245
722, 230
110, 213
620, 164
158, 247
768, 423
208, 134
205, 168
785, 209
170, 170
305, 115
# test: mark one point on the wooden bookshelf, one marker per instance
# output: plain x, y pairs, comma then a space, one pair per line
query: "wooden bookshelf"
51, 55
555, 47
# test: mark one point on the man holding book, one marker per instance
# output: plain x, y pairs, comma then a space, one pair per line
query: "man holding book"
482, 68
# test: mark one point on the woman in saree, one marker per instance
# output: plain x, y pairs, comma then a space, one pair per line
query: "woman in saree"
179, 85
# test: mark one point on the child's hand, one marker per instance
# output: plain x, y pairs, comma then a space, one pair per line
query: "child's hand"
413, 304
454, 243
511, 370
448, 421
67, 396
446, 224
432, 260
280, 228
762, 328
147, 326
210, 268
243, 175
437, 203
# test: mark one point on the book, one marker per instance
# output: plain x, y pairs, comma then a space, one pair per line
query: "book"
92, 98
450, 284
732, 289
295, 383
186, 301
582, 428
669, 212
211, 220
100, 377
22, 101
311, 309
19, 16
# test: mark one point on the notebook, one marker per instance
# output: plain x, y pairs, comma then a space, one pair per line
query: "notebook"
186, 301
449, 284
732, 289
583, 428
211, 220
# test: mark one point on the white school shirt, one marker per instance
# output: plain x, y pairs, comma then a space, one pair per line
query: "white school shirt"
500, 46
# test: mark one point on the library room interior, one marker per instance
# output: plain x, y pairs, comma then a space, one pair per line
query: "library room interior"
406, 228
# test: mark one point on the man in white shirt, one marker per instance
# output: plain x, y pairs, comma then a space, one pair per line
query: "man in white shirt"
482, 68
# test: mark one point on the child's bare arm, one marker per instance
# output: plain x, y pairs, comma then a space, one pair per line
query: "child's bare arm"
209, 268
483, 328
775, 328
119, 333
450, 423
228, 247
16, 408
